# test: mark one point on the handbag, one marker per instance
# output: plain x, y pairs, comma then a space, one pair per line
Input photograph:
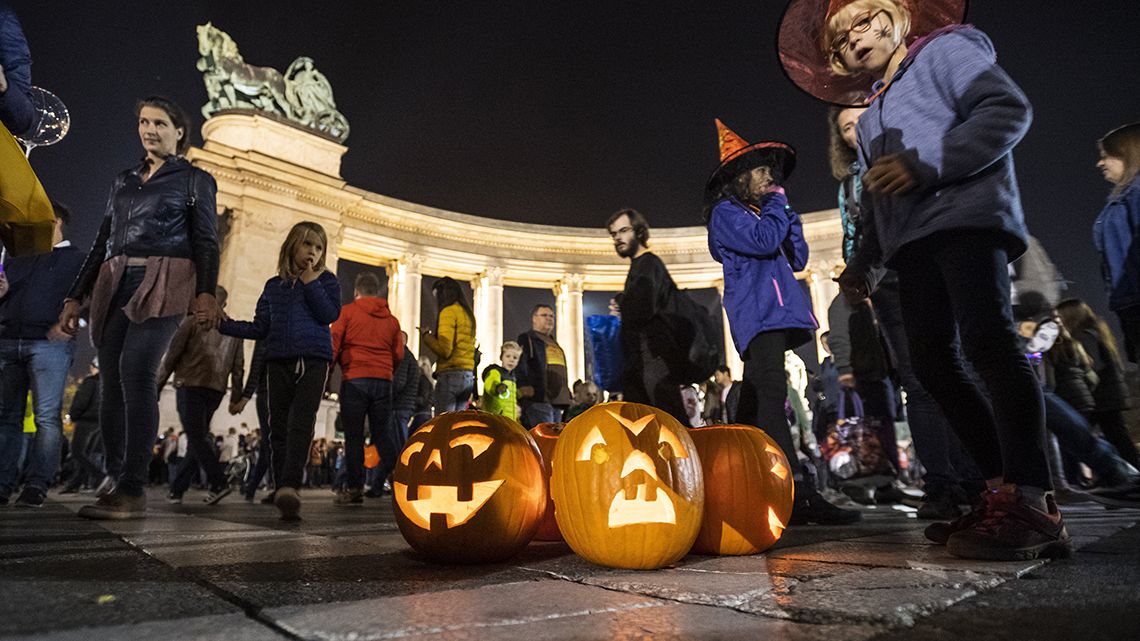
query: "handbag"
604, 333
852, 447
26, 216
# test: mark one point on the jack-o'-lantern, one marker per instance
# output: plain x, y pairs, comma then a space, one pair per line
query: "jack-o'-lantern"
748, 491
469, 488
627, 486
546, 436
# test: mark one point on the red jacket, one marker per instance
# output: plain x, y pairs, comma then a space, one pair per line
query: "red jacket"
366, 339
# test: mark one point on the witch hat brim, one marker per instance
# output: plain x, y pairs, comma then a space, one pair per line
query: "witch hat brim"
808, 67
769, 152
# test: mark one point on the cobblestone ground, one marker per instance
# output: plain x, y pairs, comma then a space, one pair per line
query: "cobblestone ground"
235, 572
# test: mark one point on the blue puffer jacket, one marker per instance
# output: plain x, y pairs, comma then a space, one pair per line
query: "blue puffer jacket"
760, 289
1115, 232
293, 319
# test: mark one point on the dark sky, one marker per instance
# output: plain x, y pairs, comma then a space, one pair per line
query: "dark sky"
562, 112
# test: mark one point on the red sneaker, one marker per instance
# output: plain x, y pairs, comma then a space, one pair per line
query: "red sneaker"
940, 533
1013, 531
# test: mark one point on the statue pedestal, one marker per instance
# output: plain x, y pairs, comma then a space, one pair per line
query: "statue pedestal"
269, 140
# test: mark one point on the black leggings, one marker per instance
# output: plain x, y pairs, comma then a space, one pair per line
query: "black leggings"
764, 391
295, 390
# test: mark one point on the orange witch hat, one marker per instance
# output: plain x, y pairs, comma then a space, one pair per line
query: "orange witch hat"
738, 155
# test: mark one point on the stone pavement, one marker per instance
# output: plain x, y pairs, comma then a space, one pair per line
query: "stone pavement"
235, 572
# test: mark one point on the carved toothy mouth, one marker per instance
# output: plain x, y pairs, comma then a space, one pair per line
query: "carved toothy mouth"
443, 499
641, 509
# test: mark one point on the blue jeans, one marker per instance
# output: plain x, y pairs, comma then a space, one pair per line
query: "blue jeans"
403, 419
453, 390
535, 413
40, 366
370, 398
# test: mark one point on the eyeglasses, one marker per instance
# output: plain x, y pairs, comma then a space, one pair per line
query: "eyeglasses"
861, 23
623, 230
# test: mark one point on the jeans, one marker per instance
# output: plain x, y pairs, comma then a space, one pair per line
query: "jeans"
954, 293
535, 413
264, 448
938, 448
1075, 437
453, 390
370, 398
403, 420
196, 406
646, 379
763, 390
128, 412
40, 366
295, 390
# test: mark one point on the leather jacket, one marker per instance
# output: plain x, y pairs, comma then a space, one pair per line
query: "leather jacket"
172, 214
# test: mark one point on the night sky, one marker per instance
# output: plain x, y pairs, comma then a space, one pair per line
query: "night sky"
563, 112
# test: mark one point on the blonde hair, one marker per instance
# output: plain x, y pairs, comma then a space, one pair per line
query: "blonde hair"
1123, 143
286, 268
510, 346
895, 10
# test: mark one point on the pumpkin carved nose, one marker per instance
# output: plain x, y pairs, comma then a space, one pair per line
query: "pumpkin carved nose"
434, 459
639, 461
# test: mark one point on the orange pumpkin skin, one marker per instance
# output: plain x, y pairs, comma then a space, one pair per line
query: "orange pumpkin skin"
749, 490
628, 486
469, 488
546, 436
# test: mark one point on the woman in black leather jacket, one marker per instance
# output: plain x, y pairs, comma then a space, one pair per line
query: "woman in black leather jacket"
155, 260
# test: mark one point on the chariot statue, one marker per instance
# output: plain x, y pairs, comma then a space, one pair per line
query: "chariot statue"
302, 94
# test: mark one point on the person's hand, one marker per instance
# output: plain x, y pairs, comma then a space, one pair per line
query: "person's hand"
853, 284
3, 81
206, 312
526, 391
57, 335
237, 406
310, 274
69, 317
890, 176
3, 284
847, 380
500, 389
776, 189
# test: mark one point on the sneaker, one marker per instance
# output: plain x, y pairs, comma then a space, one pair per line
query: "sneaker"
105, 487
1126, 494
1013, 531
939, 507
889, 494
858, 493
31, 497
941, 532
216, 495
115, 506
174, 499
347, 496
816, 509
288, 501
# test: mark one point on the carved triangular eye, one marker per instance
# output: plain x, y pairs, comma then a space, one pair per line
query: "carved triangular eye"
586, 449
778, 468
674, 443
477, 442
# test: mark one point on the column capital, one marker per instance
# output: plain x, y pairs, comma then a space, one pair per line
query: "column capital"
492, 275
412, 262
569, 284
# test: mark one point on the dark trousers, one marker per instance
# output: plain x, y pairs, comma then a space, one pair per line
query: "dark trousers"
763, 391
646, 379
196, 407
1130, 324
85, 442
1076, 440
360, 399
129, 357
264, 447
295, 390
1116, 432
954, 292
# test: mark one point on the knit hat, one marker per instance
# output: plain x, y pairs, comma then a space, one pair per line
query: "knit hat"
738, 156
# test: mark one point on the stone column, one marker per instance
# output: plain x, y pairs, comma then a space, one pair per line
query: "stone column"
731, 357
823, 290
571, 324
404, 280
487, 288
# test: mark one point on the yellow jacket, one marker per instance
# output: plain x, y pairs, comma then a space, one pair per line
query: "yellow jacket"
453, 341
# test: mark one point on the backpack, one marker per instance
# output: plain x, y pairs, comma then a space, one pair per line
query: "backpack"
697, 332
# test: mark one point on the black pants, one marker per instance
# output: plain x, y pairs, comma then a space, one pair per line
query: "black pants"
295, 390
954, 292
646, 379
196, 407
264, 447
370, 398
1130, 324
85, 442
129, 357
1116, 432
763, 391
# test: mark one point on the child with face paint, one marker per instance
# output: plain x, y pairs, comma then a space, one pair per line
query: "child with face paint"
941, 207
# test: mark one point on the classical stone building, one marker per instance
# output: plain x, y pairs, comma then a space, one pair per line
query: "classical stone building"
272, 173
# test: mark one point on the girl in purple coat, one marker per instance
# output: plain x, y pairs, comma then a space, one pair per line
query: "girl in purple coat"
758, 238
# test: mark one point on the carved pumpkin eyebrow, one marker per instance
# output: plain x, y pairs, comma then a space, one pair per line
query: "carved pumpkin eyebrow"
477, 442
679, 450
468, 424
406, 455
633, 425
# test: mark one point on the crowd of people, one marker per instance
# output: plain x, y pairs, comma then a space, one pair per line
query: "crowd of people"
1013, 398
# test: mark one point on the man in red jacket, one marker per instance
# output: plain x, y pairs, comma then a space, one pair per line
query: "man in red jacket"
367, 345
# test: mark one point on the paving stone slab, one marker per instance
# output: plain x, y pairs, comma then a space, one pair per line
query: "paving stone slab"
897, 578
902, 556
234, 627
890, 606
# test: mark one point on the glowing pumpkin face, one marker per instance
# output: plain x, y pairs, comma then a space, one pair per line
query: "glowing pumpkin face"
627, 486
546, 436
469, 487
750, 490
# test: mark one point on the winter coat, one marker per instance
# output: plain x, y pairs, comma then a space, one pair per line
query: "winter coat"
203, 358
406, 383
1114, 234
37, 286
454, 340
16, 109
856, 341
760, 253
502, 403
954, 116
292, 318
1111, 392
366, 339
85, 404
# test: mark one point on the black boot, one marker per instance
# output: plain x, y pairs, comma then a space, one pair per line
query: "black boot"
813, 508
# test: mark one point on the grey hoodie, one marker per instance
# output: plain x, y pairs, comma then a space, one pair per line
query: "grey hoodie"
956, 116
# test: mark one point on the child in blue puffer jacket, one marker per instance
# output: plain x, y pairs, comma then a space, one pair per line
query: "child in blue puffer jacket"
293, 317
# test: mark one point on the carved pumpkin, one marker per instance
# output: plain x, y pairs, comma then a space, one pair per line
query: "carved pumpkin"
627, 485
546, 436
748, 498
469, 488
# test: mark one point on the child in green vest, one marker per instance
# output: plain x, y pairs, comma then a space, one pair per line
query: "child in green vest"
500, 391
